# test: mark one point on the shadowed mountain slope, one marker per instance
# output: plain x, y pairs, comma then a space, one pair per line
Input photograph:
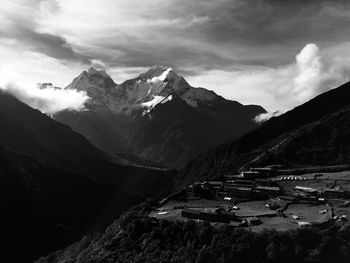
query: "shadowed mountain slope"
56, 186
30, 132
315, 133
44, 207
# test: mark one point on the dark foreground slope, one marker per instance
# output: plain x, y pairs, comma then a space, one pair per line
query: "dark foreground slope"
30, 132
44, 207
56, 186
315, 133
139, 239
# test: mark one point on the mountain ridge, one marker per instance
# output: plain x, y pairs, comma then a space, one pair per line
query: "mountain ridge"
302, 136
118, 115
57, 186
30, 132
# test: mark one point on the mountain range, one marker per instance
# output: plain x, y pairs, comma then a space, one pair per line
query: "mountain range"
28, 131
156, 116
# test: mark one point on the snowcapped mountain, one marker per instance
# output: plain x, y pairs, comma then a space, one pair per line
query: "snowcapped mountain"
158, 83
156, 116
100, 88
145, 91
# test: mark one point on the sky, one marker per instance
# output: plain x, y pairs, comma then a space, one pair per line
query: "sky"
274, 53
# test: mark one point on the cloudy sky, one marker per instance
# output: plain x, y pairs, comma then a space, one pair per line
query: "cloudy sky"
270, 52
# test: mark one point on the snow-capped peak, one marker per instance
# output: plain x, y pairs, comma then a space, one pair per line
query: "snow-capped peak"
145, 91
157, 74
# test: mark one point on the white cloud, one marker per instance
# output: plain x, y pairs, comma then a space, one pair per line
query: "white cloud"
27, 68
266, 116
309, 77
285, 87
21, 70
49, 99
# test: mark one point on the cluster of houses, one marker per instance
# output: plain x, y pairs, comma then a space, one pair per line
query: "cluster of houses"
312, 193
255, 184
219, 215
252, 184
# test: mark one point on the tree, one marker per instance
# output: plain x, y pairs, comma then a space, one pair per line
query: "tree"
205, 255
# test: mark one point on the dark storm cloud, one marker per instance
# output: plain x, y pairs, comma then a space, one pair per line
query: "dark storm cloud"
202, 33
142, 55
256, 32
261, 22
266, 26
50, 45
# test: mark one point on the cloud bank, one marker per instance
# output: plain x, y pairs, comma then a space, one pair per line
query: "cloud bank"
282, 88
277, 89
49, 99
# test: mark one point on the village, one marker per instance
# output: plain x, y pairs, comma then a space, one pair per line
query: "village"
263, 197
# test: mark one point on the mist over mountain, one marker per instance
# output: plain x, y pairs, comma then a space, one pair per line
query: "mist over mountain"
157, 116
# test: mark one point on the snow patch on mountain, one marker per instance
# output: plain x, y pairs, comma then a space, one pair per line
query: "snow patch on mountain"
152, 102
169, 98
160, 78
149, 105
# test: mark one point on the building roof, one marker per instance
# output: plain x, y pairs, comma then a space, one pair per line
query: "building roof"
268, 188
191, 211
305, 189
265, 169
239, 188
213, 182
250, 172
333, 190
